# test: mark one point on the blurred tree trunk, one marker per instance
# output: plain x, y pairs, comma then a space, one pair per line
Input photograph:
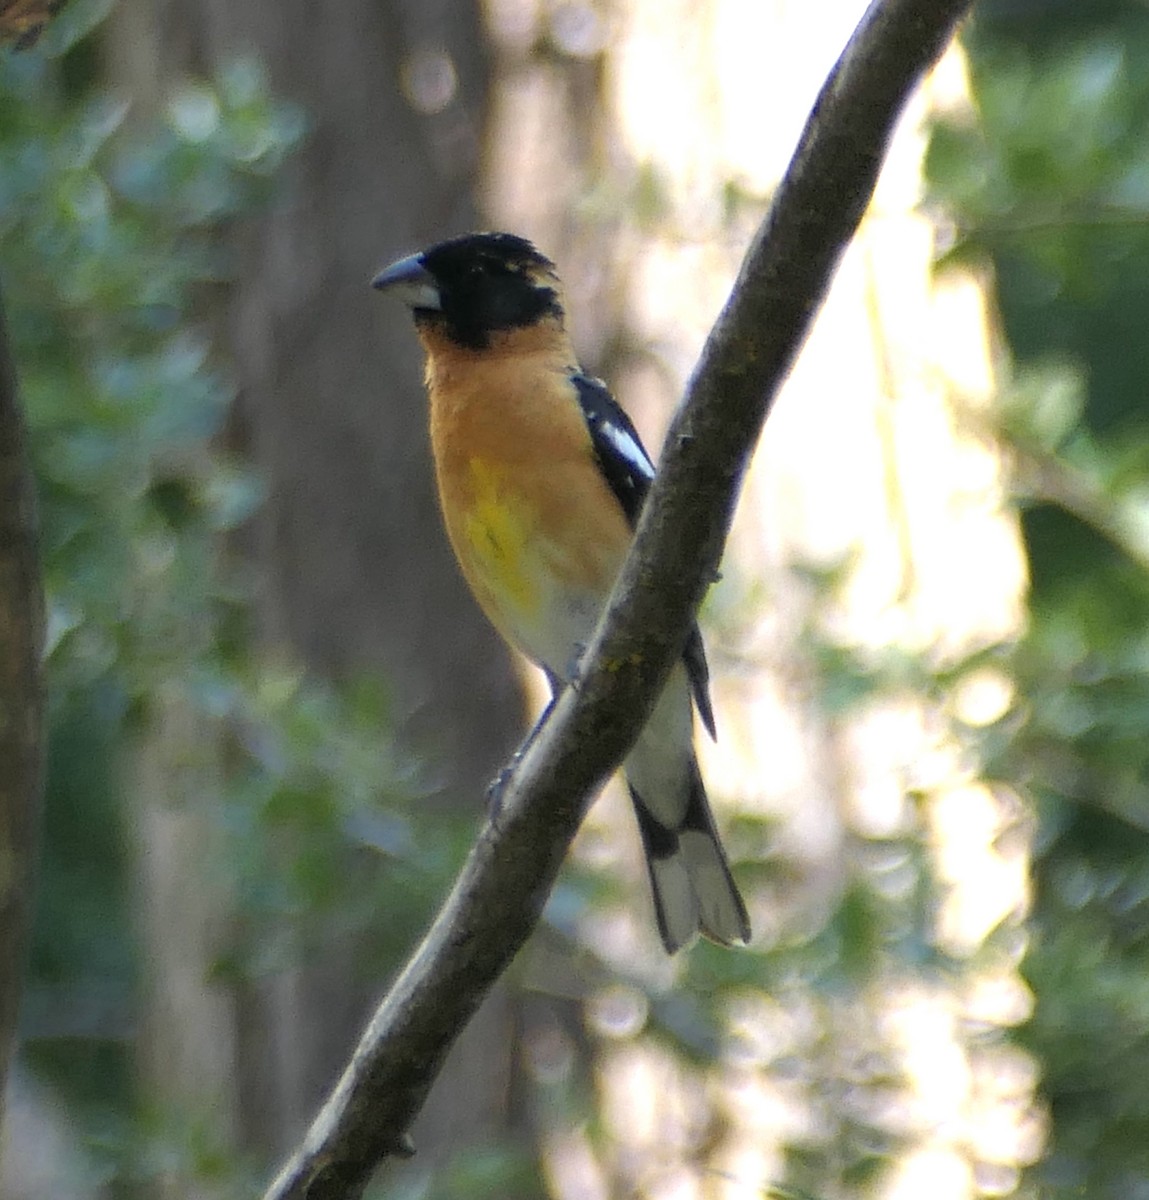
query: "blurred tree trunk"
21, 701
357, 575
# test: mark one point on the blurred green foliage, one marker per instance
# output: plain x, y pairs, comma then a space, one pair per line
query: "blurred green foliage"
1050, 185
113, 252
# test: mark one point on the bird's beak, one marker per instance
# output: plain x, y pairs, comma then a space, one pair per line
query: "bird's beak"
410, 280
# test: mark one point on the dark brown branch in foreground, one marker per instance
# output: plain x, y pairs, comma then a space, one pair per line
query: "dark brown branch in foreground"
500, 893
21, 700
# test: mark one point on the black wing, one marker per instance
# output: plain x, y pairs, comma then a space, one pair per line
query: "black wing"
617, 446
697, 671
626, 466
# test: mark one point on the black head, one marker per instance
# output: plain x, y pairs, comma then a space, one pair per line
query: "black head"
476, 285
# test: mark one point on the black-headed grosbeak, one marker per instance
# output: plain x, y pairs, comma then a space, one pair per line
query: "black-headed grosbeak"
541, 479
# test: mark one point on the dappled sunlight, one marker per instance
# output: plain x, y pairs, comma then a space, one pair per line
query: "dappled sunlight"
872, 528
983, 870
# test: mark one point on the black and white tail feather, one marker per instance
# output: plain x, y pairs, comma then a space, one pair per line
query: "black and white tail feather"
690, 877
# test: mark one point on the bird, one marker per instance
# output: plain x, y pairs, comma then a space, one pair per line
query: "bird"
541, 478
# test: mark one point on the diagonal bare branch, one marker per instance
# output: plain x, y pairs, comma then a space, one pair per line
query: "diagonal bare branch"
501, 890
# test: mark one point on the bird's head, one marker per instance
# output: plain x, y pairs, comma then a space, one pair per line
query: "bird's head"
476, 286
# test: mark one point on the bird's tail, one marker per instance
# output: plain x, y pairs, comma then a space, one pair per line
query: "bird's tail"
689, 874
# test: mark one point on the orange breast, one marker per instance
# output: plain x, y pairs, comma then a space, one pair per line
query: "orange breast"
538, 533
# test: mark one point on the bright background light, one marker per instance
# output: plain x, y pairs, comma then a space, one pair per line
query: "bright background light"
870, 466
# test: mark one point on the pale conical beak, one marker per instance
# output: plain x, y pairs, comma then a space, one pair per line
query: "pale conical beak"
410, 280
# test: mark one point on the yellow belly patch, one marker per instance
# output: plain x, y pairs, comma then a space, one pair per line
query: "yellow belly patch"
499, 535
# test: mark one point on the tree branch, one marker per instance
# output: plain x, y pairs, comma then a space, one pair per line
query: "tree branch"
21, 700
504, 884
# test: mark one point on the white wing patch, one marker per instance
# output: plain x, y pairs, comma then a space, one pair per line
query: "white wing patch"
628, 448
